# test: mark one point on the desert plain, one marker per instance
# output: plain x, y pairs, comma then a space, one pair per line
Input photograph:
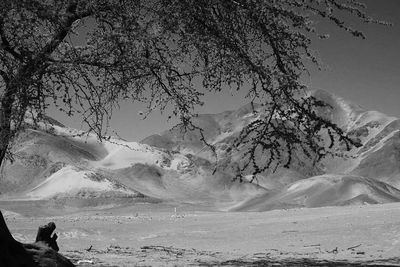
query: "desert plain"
168, 234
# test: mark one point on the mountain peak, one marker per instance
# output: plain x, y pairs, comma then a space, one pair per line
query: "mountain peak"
176, 166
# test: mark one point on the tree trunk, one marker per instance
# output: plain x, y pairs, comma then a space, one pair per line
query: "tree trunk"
3, 152
12, 253
40, 253
7, 102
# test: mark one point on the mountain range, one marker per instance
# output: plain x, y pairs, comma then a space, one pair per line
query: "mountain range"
60, 164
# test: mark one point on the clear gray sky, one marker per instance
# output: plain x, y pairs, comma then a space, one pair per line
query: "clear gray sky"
366, 72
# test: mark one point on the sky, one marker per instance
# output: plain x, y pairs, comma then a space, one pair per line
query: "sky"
366, 72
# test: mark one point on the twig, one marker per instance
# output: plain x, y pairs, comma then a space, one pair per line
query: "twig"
353, 247
334, 251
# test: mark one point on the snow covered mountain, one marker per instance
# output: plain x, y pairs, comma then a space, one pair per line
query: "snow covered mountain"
173, 166
64, 164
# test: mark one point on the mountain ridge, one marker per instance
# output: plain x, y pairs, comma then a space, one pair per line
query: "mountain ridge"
168, 167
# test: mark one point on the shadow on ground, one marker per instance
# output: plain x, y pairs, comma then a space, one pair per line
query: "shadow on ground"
170, 256
299, 263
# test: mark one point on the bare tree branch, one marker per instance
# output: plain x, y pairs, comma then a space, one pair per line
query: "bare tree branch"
5, 44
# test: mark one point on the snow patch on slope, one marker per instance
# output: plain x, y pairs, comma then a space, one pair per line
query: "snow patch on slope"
71, 181
123, 154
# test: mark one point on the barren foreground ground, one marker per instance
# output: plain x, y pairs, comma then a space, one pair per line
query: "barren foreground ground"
156, 235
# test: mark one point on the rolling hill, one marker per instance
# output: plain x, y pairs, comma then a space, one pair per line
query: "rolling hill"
177, 167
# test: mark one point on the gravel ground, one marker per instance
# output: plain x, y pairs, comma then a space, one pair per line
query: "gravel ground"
156, 235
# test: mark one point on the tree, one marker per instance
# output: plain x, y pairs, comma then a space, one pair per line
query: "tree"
152, 51
155, 51
84, 56
41, 253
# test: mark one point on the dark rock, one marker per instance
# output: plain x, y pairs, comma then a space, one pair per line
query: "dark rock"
44, 234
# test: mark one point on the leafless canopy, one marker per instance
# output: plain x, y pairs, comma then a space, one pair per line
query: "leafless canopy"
87, 55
